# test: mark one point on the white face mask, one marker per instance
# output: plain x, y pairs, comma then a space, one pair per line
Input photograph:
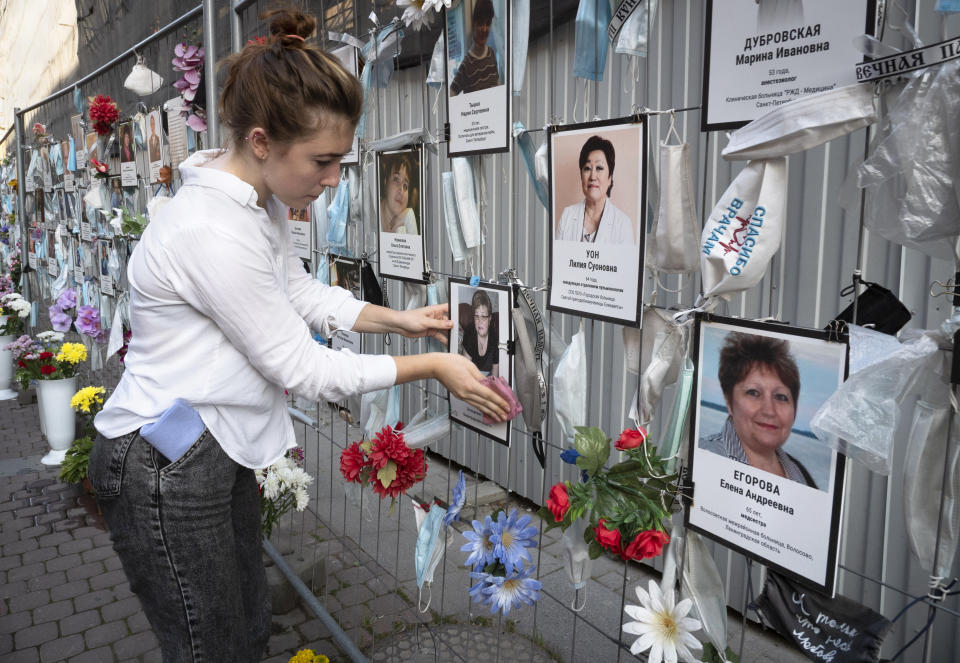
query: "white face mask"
570, 388
632, 39
664, 363
675, 234
451, 218
435, 73
744, 229
466, 200
520, 39
577, 562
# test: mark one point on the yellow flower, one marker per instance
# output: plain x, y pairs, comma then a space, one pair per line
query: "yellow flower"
308, 656
72, 353
84, 399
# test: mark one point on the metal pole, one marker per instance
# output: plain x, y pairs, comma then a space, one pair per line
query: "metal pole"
210, 66
345, 644
21, 200
235, 28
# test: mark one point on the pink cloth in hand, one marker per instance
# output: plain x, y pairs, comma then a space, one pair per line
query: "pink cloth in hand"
502, 387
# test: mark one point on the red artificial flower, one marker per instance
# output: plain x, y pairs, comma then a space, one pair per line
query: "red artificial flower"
21, 364
388, 445
46, 355
646, 544
352, 462
47, 369
631, 438
410, 470
608, 538
100, 166
559, 501
103, 112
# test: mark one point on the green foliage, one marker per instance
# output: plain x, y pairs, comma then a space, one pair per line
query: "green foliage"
133, 224
711, 655
593, 445
77, 460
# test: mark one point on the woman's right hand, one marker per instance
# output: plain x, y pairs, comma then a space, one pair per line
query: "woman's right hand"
462, 379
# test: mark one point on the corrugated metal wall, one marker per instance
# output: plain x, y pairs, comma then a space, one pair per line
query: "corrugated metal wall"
816, 260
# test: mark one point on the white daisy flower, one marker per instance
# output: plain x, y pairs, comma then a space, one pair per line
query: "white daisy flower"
663, 626
415, 15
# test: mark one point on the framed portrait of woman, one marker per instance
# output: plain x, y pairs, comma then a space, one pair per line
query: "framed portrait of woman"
128, 154
400, 197
345, 273
483, 333
763, 483
477, 71
597, 233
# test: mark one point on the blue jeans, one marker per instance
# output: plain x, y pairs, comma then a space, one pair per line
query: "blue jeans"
188, 536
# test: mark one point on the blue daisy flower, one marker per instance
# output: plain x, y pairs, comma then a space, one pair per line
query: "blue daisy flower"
457, 501
477, 591
511, 537
479, 544
507, 593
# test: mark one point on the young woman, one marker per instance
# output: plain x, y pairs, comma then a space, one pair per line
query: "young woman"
221, 315
396, 213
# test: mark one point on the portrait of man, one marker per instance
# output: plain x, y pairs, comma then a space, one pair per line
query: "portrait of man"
153, 137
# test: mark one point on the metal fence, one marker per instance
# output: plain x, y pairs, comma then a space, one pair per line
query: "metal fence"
821, 248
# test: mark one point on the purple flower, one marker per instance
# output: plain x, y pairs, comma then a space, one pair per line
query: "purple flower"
59, 320
187, 56
88, 321
67, 300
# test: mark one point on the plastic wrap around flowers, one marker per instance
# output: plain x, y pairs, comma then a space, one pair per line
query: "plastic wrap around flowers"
500, 561
385, 462
626, 504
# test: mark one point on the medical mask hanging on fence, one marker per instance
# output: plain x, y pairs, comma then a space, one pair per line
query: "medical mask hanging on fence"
632, 39
570, 388
744, 230
431, 543
577, 562
590, 39
675, 248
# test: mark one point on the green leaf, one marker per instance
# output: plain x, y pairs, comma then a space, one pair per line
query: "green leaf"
593, 445
589, 536
387, 473
595, 550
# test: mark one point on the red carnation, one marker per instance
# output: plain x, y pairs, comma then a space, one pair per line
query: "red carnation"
47, 369
559, 501
46, 355
608, 538
631, 438
388, 445
352, 462
646, 544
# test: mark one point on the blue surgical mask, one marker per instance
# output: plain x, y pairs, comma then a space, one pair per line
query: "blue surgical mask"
72, 157
425, 558
497, 31
337, 217
435, 73
590, 45
947, 6
527, 151
678, 420
60, 284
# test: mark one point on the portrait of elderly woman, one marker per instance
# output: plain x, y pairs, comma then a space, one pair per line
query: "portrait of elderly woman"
760, 382
595, 219
480, 334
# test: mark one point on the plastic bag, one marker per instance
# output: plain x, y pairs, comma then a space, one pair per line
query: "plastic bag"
861, 418
912, 196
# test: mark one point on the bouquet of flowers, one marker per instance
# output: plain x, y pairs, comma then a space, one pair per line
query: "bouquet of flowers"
385, 462
102, 169
45, 358
87, 403
500, 561
283, 486
39, 132
87, 320
15, 267
14, 306
626, 504
103, 113
189, 60
308, 656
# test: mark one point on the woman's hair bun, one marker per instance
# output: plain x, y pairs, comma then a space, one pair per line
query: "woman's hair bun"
290, 20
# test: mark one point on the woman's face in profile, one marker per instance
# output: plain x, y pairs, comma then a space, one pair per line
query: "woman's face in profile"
762, 409
595, 176
481, 320
398, 191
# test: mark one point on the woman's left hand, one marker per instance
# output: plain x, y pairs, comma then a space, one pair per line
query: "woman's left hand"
429, 321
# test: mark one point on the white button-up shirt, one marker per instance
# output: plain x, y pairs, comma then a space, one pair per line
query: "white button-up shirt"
219, 310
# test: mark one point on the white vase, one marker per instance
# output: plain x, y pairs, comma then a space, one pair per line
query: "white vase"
6, 364
57, 418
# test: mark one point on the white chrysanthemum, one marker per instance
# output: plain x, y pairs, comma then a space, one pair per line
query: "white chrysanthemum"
663, 626
50, 337
271, 486
10, 297
302, 498
286, 477
436, 5
415, 16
